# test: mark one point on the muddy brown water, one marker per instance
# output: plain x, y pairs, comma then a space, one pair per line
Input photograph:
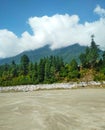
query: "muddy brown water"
78, 109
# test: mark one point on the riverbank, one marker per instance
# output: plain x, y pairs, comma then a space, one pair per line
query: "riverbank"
25, 88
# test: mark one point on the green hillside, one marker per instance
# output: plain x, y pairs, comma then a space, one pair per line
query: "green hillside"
67, 53
52, 69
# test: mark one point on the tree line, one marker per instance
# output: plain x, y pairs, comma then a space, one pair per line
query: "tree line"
49, 70
53, 69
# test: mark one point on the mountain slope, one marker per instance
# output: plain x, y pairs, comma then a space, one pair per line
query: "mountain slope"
67, 53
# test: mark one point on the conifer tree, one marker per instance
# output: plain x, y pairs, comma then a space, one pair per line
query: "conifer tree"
93, 53
24, 64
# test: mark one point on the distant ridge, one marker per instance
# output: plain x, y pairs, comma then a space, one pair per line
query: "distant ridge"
67, 53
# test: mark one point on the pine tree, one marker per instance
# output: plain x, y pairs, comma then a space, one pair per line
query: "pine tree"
41, 70
24, 64
35, 73
93, 53
103, 58
47, 75
14, 70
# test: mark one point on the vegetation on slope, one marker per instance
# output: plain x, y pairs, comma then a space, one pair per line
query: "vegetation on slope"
53, 69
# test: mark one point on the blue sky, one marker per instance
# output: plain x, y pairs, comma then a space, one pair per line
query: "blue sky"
17, 17
15, 13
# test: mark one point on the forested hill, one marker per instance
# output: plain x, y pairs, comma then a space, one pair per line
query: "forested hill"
52, 69
67, 53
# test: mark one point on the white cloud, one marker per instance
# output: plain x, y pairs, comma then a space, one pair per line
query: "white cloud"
100, 11
57, 31
9, 44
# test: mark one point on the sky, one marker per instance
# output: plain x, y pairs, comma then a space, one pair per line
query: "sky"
31, 24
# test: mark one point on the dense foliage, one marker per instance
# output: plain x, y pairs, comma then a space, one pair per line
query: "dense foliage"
94, 59
48, 70
53, 69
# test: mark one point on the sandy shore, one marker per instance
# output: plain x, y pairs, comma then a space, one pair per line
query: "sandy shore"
26, 88
73, 109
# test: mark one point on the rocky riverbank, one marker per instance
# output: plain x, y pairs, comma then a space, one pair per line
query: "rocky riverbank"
70, 85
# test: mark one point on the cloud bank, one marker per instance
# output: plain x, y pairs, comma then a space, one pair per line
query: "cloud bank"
57, 31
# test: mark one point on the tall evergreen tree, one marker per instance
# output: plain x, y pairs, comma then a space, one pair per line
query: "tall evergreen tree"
91, 55
41, 70
24, 64
14, 70
47, 75
35, 73
94, 53
103, 57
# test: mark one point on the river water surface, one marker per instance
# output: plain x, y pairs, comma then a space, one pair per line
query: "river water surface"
75, 109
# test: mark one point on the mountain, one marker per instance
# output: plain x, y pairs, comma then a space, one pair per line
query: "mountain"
67, 53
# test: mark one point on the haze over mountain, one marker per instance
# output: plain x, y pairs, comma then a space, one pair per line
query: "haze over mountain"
67, 53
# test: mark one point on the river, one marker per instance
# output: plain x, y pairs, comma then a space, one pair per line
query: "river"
73, 109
